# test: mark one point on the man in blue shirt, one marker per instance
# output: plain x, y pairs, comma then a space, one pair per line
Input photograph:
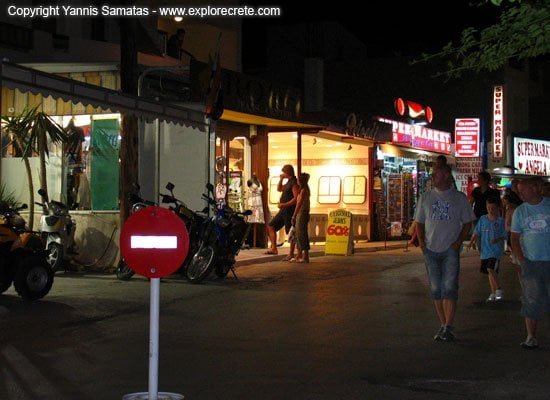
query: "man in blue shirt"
530, 244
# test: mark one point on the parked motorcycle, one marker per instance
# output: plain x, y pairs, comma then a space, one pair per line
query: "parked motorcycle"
123, 271
221, 239
193, 220
23, 260
57, 228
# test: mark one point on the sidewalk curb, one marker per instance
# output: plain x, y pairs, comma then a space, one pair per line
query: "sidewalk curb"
263, 259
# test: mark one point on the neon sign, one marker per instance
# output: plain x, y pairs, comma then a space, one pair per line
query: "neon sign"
498, 121
419, 137
412, 110
532, 157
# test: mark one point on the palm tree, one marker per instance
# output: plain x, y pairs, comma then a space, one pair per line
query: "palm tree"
31, 130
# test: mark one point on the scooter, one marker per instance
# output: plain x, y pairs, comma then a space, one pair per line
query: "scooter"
23, 261
58, 229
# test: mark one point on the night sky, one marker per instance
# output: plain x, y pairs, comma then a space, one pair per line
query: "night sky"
386, 27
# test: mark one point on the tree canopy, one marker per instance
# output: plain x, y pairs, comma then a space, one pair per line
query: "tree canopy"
522, 32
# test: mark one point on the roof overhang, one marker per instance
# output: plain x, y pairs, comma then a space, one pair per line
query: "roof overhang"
30, 80
249, 119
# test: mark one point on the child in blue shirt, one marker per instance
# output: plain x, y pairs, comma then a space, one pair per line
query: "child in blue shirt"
492, 233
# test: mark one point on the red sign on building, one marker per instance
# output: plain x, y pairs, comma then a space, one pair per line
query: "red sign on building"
467, 137
420, 137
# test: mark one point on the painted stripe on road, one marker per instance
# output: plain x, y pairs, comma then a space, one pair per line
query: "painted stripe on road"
31, 380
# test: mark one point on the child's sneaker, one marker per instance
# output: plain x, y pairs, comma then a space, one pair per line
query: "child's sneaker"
530, 343
499, 295
491, 298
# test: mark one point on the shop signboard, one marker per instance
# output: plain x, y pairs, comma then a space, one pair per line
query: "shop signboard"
248, 94
498, 121
531, 157
339, 233
467, 137
420, 136
467, 169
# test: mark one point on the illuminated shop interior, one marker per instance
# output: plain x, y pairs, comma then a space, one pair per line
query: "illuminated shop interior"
338, 170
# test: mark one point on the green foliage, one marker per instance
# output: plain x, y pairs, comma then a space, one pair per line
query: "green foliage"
30, 127
8, 198
522, 32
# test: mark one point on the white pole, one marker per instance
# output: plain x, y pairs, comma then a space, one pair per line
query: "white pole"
154, 339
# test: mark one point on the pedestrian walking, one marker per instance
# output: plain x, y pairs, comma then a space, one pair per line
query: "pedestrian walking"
530, 244
480, 195
511, 201
300, 219
444, 220
491, 231
287, 204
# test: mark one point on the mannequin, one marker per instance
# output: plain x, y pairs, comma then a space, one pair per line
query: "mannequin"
254, 200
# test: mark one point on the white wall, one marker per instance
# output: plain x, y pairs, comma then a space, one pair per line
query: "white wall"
14, 177
180, 157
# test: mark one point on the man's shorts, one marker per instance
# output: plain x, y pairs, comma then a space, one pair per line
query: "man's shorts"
281, 219
535, 279
489, 263
443, 273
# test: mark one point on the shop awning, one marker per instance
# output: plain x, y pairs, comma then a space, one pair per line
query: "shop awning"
250, 119
413, 154
30, 80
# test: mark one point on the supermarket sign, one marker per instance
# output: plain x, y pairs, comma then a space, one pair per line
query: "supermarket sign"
467, 137
419, 136
498, 121
531, 157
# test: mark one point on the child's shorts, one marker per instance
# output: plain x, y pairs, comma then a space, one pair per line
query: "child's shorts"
489, 263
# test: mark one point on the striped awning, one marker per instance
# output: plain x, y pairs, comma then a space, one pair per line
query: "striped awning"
25, 79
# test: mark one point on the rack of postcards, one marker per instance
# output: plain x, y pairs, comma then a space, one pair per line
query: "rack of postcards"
399, 203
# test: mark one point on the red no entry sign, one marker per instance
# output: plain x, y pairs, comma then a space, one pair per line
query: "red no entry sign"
154, 242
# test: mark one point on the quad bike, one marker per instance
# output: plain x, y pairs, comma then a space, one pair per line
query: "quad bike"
23, 260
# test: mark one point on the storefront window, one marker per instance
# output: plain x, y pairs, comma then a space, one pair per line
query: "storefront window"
273, 193
283, 149
232, 170
355, 189
338, 168
82, 173
329, 190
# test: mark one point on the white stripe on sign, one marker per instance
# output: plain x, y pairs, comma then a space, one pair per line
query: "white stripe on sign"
154, 242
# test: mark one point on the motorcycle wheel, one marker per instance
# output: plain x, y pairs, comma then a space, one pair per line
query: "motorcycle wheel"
33, 278
123, 271
55, 256
200, 265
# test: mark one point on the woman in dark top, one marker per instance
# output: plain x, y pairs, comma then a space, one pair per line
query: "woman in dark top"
287, 204
300, 219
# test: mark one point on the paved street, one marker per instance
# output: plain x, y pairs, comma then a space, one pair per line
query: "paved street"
356, 327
